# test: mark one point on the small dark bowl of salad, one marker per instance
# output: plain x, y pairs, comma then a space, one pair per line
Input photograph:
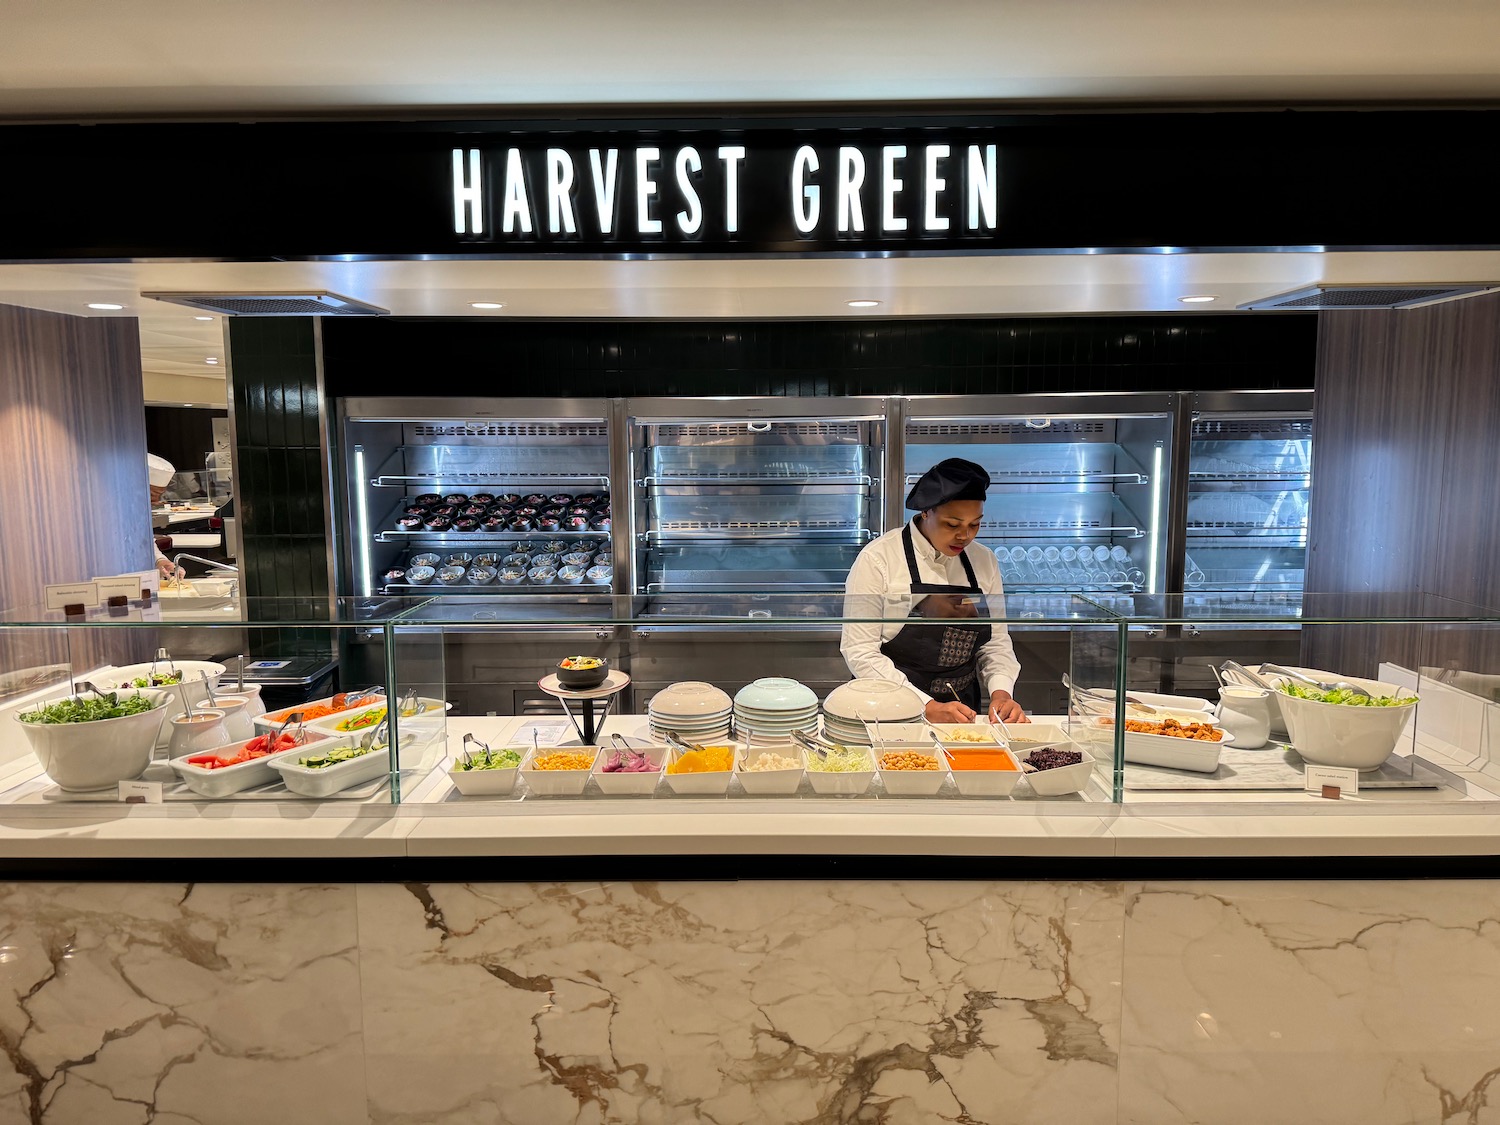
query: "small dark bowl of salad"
579, 673
561, 498
511, 498
482, 498
520, 523
427, 499
456, 498
466, 523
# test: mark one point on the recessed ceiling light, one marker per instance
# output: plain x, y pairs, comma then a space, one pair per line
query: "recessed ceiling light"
202, 318
863, 304
105, 306
211, 359
485, 305
1198, 299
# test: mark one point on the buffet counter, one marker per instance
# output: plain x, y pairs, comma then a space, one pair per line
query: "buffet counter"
1114, 790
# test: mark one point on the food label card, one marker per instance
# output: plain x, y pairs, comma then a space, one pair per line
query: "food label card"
1314, 778
140, 792
72, 593
127, 584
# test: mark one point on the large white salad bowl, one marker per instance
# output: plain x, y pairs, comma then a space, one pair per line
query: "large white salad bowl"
101, 753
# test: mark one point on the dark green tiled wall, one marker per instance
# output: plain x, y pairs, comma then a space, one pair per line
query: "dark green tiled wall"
279, 486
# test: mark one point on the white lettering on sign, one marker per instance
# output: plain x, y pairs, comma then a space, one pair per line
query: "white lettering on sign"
468, 204
889, 192
645, 188
984, 185
851, 179
934, 185
890, 187
605, 178
805, 196
559, 187
732, 156
689, 163
517, 202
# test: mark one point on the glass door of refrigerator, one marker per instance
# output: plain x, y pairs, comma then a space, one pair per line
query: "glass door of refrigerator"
1247, 511
1077, 504
479, 505
730, 505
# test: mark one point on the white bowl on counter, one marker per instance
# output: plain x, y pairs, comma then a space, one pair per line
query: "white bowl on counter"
690, 699
769, 783
487, 783
1060, 781
101, 753
1191, 754
192, 687
865, 700
985, 783
631, 784
557, 783
1337, 734
911, 783
826, 784
714, 783
328, 780
229, 780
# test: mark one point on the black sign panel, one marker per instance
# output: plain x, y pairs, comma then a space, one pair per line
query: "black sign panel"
873, 184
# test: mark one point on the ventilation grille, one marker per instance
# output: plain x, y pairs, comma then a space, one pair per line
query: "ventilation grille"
510, 429
318, 302
728, 430
1371, 296
979, 429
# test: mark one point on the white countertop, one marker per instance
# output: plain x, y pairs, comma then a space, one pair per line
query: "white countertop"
435, 821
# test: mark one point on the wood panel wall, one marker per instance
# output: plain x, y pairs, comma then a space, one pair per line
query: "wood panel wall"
1406, 484
74, 500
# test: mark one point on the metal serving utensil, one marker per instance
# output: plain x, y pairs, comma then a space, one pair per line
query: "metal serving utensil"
208, 688
1236, 669
299, 736
373, 737
623, 747
680, 746
1108, 700
1337, 685
808, 742
464, 748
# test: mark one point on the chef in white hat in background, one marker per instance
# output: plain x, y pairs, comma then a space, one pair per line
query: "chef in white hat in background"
161, 472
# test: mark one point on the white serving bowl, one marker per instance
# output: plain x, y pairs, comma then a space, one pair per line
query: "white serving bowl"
329, 780
986, 783
1335, 734
1061, 780
487, 783
712, 784
102, 753
1026, 737
776, 693
863, 700
767, 783
229, 780
634, 784
912, 783
690, 699
192, 687
1193, 755
837, 784
557, 783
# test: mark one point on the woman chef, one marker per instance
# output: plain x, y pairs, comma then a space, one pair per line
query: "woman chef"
931, 568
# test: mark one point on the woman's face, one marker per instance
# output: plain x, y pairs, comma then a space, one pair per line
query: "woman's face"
952, 526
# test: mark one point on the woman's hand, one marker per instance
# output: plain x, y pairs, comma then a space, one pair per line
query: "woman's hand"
168, 571
954, 712
1006, 709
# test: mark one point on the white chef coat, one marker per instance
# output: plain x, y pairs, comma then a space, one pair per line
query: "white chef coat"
879, 585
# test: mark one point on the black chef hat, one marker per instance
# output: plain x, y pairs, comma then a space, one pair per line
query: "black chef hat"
953, 479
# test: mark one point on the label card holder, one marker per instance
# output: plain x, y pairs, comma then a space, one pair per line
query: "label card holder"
140, 792
1316, 779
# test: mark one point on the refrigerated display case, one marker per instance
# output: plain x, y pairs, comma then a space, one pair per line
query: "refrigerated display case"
1080, 485
753, 495
476, 496
1249, 472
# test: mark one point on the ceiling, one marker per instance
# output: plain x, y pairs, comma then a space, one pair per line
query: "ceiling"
77, 59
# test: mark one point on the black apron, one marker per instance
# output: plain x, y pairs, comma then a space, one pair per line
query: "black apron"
932, 656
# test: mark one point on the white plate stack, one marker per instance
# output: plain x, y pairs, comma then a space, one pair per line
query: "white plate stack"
693, 711
771, 708
850, 706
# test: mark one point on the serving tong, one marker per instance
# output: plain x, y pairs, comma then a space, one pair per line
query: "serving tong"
623, 747
1106, 701
817, 745
378, 736
1302, 677
160, 658
299, 736
464, 749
